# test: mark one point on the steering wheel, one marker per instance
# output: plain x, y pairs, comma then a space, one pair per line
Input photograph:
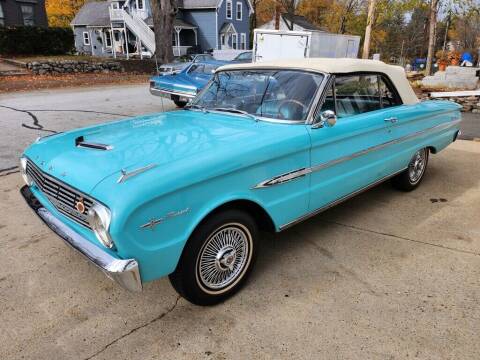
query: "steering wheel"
286, 102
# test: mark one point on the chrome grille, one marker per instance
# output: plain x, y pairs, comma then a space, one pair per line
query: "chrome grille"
60, 195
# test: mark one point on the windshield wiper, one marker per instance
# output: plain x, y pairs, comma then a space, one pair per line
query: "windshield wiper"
236, 111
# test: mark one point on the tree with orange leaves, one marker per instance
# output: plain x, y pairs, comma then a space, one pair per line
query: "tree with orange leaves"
61, 12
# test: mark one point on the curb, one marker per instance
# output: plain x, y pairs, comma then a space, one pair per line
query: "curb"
14, 73
14, 62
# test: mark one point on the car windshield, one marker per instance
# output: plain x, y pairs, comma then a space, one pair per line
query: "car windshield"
202, 69
244, 56
274, 94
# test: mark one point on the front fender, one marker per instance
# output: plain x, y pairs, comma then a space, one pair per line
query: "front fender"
156, 231
158, 241
155, 213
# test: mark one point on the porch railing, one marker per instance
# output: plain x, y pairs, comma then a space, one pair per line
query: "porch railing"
180, 50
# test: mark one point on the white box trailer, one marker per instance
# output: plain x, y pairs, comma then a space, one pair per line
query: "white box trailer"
280, 44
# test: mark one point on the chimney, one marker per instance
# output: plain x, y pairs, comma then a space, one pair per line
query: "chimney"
277, 16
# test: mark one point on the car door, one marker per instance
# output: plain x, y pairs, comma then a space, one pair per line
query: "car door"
411, 127
350, 155
400, 120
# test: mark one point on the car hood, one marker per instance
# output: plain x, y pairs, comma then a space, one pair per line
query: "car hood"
158, 139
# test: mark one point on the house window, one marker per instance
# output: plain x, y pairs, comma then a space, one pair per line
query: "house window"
234, 41
139, 4
86, 38
243, 41
229, 9
2, 17
108, 39
239, 11
27, 14
222, 39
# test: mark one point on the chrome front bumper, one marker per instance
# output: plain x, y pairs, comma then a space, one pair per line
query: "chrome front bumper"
124, 271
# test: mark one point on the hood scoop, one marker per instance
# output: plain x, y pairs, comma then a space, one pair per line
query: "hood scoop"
80, 142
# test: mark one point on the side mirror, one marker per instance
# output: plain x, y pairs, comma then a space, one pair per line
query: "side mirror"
327, 118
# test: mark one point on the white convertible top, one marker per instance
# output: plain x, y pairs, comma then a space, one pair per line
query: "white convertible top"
340, 66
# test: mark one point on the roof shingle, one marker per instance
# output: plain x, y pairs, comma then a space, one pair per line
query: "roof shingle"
93, 14
300, 21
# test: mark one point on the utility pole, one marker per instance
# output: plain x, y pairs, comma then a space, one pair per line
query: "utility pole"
444, 47
368, 29
431, 35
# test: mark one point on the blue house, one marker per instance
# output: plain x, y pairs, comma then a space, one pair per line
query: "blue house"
124, 28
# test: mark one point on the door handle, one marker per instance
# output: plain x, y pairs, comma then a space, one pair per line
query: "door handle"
391, 120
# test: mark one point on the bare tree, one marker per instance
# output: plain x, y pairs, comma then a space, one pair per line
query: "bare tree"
289, 7
431, 35
350, 7
163, 14
253, 20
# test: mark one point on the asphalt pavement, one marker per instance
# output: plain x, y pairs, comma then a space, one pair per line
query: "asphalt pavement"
386, 275
24, 116
470, 126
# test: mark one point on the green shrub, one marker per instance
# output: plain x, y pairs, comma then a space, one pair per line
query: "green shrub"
29, 40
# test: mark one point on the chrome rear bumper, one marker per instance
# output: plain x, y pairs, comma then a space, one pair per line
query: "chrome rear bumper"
171, 94
124, 271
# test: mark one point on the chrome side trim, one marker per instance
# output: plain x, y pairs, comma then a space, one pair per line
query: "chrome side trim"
338, 201
124, 271
163, 93
282, 178
383, 145
127, 175
154, 222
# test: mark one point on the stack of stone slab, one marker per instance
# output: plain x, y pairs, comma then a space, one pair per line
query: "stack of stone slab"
454, 77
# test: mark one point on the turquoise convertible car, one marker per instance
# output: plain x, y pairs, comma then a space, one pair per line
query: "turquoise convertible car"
261, 147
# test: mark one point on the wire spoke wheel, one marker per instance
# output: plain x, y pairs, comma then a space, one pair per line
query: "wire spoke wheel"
417, 166
224, 257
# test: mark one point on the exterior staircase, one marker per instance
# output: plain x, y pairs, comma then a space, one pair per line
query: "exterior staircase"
137, 26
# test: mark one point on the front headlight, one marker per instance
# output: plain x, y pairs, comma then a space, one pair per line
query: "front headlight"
23, 171
99, 218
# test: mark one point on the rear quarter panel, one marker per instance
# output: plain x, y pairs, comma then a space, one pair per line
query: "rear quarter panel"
432, 124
